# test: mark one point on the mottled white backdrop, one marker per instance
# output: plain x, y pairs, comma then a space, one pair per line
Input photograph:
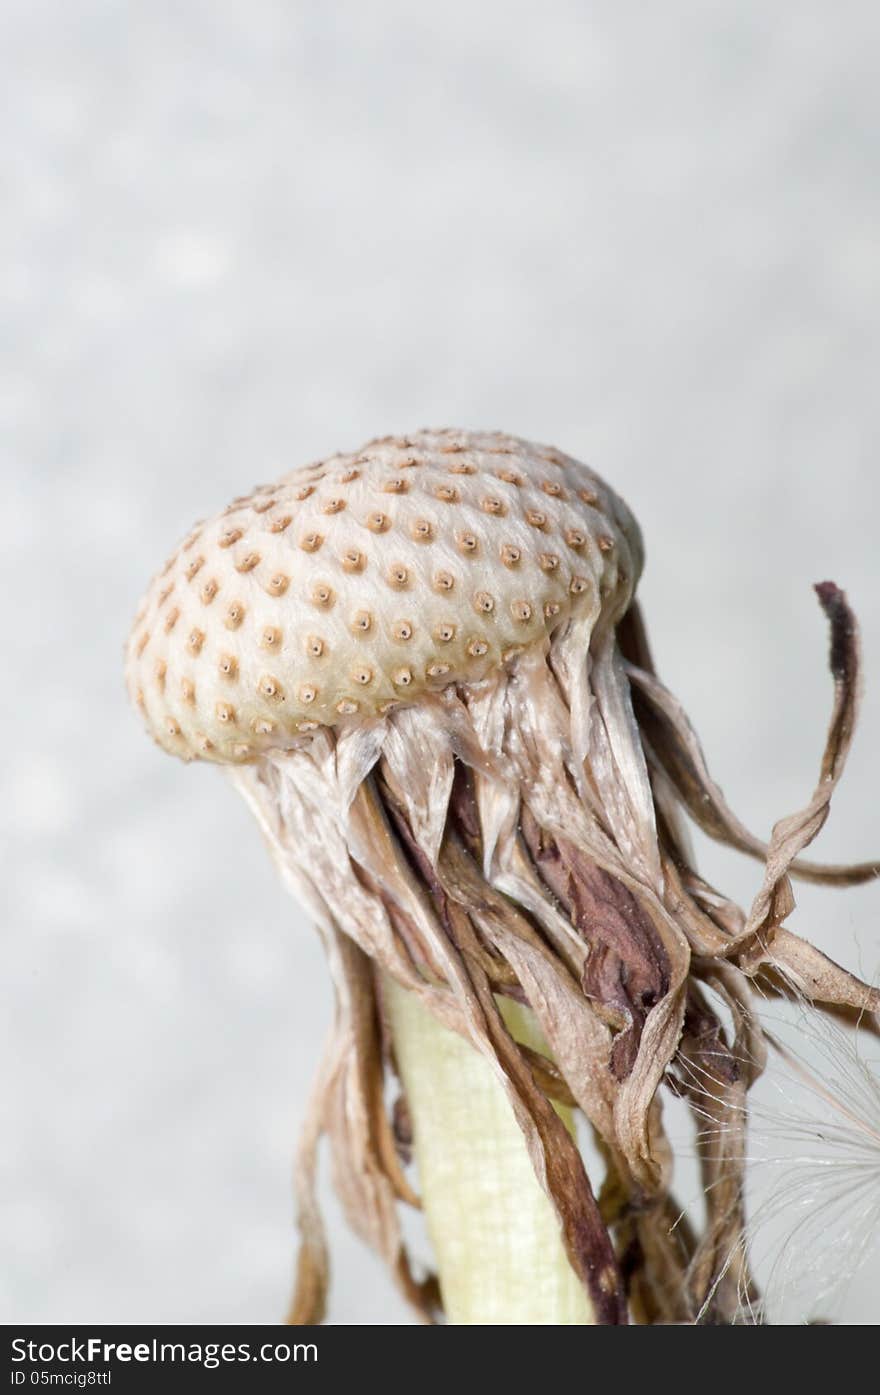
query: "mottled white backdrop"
239, 235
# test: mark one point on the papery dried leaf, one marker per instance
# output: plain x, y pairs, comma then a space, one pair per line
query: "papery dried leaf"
419, 760
367, 1191
812, 973
716, 1076
774, 902
674, 746
309, 1302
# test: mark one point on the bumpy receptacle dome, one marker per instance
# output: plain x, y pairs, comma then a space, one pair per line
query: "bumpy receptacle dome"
369, 579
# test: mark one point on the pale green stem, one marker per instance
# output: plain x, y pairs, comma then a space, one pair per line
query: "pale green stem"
495, 1234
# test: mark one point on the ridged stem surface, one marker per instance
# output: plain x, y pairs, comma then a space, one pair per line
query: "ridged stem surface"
495, 1235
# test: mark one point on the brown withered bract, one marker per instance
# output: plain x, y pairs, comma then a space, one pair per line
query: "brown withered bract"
425, 669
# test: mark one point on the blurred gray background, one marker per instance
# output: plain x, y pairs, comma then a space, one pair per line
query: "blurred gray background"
237, 236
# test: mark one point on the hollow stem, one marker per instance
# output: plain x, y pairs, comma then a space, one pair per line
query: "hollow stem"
495, 1234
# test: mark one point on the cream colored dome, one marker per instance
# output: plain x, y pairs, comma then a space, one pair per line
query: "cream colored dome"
369, 579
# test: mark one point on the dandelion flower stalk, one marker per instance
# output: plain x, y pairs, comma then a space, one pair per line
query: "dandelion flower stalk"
425, 670
495, 1234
